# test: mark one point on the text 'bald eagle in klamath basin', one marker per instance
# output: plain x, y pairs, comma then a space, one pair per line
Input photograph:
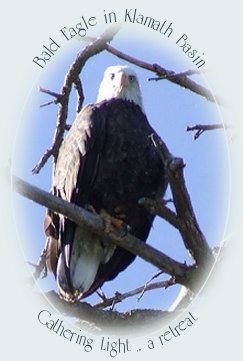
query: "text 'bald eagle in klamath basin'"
106, 163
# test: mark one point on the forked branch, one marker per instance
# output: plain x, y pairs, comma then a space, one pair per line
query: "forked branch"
181, 272
185, 218
199, 129
72, 78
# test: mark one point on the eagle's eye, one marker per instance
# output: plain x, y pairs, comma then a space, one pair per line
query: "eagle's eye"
132, 77
112, 76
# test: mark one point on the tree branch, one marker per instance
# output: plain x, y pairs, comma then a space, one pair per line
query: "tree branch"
181, 74
40, 269
71, 78
180, 79
157, 207
57, 97
80, 94
119, 297
182, 273
199, 129
191, 233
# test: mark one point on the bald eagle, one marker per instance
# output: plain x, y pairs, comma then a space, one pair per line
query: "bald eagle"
108, 162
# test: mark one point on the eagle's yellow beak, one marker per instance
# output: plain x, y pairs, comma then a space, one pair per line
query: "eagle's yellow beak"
122, 81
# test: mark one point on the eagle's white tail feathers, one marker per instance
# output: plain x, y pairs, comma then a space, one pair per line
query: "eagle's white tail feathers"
87, 257
88, 252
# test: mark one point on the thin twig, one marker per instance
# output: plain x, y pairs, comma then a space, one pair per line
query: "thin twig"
199, 129
119, 297
42, 161
40, 267
149, 281
55, 95
48, 103
181, 74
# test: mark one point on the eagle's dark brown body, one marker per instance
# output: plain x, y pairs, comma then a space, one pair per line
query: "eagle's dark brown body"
107, 161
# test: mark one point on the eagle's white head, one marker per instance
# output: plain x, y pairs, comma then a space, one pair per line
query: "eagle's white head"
120, 82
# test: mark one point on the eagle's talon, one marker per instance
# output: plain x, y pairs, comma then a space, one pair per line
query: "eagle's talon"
110, 221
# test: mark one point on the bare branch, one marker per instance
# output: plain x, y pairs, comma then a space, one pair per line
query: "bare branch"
183, 274
63, 98
191, 233
119, 297
80, 93
157, 207
182, 74
42, 161
199, 129
48, 103
180, 79
57, 96
40, 268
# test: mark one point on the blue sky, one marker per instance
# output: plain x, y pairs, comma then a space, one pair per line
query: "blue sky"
169, 109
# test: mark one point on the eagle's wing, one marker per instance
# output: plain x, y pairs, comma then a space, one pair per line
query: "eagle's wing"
79, 156
74, 174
